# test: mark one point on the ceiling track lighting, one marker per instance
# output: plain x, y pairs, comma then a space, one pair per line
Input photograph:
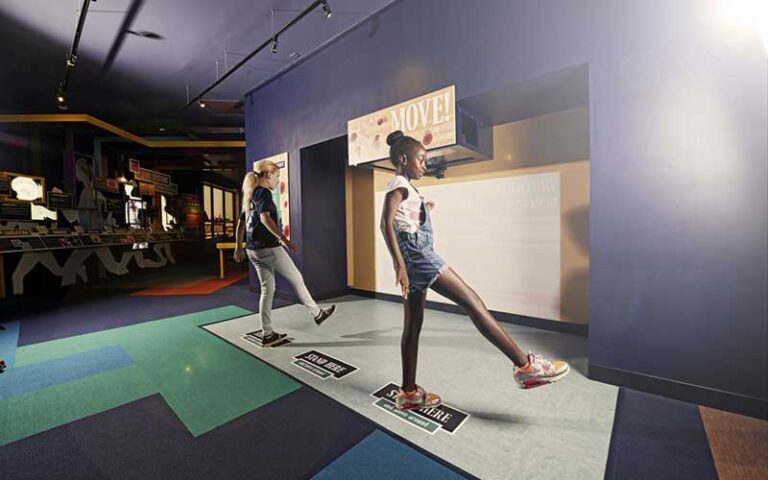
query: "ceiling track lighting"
271, 43
327, 9
61, 97
202, 104
61, 101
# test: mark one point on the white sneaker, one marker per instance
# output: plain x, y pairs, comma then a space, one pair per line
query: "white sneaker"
540, 371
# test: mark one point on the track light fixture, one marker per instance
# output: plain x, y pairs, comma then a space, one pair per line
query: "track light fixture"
61, 101
270, 42
202, 104
71, 59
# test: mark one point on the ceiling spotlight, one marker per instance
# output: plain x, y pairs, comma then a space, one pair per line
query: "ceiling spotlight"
202, 104
61, 101
71, 60
327, 10
274, 45
162, 129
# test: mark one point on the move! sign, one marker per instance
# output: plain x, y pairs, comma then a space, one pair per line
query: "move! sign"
430, 119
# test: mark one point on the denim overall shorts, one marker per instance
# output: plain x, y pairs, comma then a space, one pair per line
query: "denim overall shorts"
422, 263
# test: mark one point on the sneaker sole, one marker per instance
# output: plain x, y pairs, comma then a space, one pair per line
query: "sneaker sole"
318, 323
274, 342
540, 382
414, 406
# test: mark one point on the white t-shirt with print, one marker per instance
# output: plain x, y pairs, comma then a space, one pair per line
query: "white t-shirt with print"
408, 214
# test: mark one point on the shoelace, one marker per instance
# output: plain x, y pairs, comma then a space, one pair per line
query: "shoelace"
539, 359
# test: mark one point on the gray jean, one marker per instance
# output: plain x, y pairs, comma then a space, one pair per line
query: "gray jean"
267, 261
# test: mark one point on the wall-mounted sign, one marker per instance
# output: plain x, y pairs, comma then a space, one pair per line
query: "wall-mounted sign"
193, 211
59, 200
430, 119
147, 189
106, 185
5, 186
18, 187
280, 195
15, 211
114, 205
170, 189
153, 176
134, 165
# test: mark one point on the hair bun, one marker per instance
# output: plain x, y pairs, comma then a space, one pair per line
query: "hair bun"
394, 137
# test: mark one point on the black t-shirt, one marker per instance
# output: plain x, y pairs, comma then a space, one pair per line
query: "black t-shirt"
256, 234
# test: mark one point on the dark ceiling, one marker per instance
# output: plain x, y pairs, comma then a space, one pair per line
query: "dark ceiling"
166, 47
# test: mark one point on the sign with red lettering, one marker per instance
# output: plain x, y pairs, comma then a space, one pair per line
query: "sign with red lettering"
430, 119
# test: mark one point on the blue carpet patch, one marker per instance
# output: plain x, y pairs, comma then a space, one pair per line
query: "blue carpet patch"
291, 438
29, 378
659, 438
380, 456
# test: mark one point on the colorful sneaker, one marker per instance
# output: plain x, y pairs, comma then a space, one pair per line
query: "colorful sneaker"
272, 339
416, 399
540, 371
324, 313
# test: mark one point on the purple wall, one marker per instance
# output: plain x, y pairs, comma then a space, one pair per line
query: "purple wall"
678, 111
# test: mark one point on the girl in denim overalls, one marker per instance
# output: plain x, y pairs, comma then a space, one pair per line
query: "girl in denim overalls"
407, 230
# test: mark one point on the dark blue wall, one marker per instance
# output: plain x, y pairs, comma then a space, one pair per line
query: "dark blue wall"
678, 118
324, 218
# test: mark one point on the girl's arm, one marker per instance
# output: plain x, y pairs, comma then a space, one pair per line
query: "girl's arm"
239, 238
387, 226
274, 229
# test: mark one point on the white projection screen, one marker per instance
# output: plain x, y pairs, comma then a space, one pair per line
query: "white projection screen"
501, 235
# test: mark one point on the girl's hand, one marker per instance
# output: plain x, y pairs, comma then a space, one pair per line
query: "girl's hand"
239, 255
290, 246
401, 278
430, 204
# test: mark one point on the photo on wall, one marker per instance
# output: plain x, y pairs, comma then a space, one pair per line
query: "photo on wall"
281, 195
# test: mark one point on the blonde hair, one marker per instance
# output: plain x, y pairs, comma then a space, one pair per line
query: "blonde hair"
251, 180
264, 167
